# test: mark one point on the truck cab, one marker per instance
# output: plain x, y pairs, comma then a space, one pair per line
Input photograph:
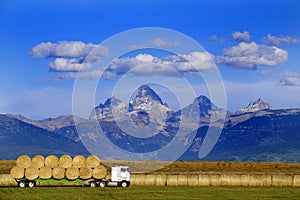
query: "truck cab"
120, 173
120, 177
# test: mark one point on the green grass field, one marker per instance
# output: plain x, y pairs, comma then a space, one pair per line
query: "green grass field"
153, 193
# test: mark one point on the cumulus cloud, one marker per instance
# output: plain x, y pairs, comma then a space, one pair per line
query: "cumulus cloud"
241, 37
287, 78
163, 42
62, 64
70, 54
186, 64
92, 74
139, 65
250, 55
216, 38
289, 81
66, 49
279, 40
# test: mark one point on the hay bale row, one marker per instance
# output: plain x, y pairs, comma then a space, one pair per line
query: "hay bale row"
70, 173
53, 161
253, 180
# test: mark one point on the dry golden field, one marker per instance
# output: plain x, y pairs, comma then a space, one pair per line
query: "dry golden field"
194, 167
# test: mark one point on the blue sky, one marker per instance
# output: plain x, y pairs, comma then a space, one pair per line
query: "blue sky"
255, 45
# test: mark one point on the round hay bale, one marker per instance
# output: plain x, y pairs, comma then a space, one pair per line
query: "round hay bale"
204, 179
65, 161
23, 161
17, 172
138, 180
58, 173
85, 173
151, 179
92, 161
161, 180
193, 180
38, 161
99, 172
172, 180
7, 180
45, 172
72, 173
79, 161
182, 180
31, 173
51, 161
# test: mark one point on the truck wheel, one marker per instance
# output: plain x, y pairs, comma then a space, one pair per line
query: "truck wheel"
22, 184
93, 184
31, 184
102, 184
124, 184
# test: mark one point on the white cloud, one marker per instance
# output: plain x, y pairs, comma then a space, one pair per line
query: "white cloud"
92, 74
241, 37
278, 40
62, 64
67, 49
146, 65
216, 38
268, 73
249, 55
213, 38
287, 78
186, 64
162, 42
70, 55
289, 81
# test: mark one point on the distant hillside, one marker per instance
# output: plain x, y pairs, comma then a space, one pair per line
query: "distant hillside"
273, 137
17, 137
257, 132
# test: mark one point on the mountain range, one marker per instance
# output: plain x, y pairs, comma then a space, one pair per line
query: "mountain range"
257, 132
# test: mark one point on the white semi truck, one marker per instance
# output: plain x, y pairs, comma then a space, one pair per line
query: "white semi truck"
120, 177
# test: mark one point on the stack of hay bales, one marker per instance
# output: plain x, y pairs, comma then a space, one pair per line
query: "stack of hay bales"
64, 167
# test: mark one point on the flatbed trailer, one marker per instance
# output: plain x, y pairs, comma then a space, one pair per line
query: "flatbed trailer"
120, 178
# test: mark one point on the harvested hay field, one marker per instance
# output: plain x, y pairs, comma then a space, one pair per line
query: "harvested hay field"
192, 167
196, 167
6, 165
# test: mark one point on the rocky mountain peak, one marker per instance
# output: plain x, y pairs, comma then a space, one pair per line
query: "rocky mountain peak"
255, 106
144, 99
112, 101
146, 92
204, 103
106, 109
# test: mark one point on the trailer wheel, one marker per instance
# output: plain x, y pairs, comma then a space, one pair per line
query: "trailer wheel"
31, 184
22, 184
124, 184
93, 184
102, 184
